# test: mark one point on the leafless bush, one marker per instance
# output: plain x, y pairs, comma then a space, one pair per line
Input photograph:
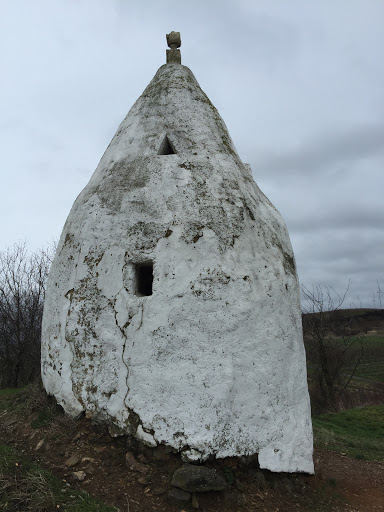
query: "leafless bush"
22, 287
333, 354
358, 397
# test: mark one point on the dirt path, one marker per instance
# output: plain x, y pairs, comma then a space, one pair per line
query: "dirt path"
360, 482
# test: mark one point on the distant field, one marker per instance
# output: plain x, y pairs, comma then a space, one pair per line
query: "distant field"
373, 341
355, 312
371, 365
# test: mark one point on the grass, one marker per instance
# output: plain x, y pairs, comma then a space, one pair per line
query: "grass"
8, 395
356, 432
10, 392
29, 399
25, 486
372, 371
373, 341
371, 365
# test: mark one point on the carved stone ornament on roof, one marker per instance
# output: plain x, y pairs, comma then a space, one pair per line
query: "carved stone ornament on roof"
174, 42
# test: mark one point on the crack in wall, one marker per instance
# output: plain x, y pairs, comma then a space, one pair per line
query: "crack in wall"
125, 338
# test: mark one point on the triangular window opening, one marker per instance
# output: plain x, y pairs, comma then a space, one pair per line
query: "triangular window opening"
166, 147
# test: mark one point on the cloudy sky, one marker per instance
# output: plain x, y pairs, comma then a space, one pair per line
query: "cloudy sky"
300, 85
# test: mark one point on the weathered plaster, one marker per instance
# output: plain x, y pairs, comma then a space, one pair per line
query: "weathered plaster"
213, 362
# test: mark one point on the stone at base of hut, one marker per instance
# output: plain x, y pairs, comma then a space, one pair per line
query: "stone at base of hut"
133, 465
79, 475
194, 502
73, 460
178, 496
143, 480
198, 479
162, 452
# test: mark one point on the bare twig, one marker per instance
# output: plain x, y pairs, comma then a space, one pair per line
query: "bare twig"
22, 288
333, 353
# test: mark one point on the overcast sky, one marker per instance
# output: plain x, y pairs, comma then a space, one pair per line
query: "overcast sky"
300, 85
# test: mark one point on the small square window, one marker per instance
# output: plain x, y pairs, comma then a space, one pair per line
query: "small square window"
144, 278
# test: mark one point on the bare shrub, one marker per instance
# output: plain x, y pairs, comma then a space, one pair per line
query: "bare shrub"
333, 353
360, 396
23, 278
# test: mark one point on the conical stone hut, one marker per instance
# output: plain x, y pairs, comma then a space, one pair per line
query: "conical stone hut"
172, 307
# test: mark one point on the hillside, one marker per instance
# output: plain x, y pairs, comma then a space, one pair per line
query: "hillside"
356, 321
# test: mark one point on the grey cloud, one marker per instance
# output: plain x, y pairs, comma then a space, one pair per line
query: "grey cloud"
337, 256
336, 219
331, 149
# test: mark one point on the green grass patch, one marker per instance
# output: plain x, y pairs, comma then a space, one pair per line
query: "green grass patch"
10, 398
31, 398
10, 392
356, 432
373, 340
371, 365
8, 395
372, 371
26, 486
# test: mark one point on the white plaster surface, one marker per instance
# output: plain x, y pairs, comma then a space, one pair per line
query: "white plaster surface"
213, 362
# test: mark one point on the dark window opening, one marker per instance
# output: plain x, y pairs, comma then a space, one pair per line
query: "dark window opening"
144, 278
166, 147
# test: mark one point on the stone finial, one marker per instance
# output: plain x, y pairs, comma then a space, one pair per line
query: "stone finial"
174, 42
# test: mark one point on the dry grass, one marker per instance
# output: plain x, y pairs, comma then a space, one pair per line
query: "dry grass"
24, 489
24, 485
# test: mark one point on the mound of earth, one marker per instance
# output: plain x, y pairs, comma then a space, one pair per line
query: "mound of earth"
87, 457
